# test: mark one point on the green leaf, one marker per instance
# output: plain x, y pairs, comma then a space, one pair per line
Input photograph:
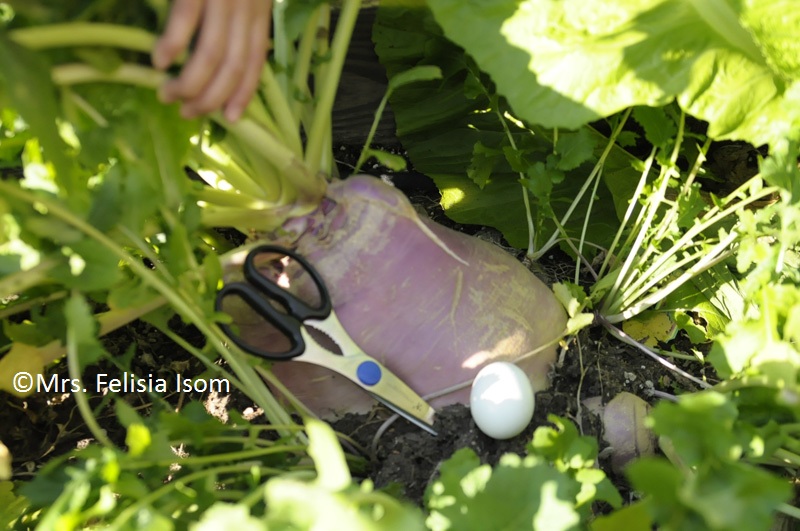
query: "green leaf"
440, 122
517, 494
12, 506
731, 497
659, 129
323, 447
567, 63
575, 148
484, 159
700, 413
571, 296
633, 517
89, 266
563, 446
138, 439
418, 73
82, 327
25, 80
386, 159
658, 478
228, 516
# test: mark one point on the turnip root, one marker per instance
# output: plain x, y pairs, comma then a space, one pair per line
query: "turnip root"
432, 304
625, 431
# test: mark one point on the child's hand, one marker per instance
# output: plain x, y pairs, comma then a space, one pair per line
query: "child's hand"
225, 66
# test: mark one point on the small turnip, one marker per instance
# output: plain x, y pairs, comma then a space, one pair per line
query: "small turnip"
432, 304
625, 431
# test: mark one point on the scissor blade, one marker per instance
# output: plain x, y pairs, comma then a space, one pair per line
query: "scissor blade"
406, 415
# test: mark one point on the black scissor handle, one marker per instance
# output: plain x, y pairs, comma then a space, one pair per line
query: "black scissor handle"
257, 293
295, 306
286, 324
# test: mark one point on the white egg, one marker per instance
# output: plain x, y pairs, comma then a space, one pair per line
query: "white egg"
501, 400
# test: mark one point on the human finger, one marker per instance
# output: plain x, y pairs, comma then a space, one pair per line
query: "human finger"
257, 50
205, 60
181, 25
232, 67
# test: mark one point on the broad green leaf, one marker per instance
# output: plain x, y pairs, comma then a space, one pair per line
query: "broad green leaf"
228, 516
440, 122
518, 494
707, 413
12, 506
567, 63
633, 517
293, 504
563, 446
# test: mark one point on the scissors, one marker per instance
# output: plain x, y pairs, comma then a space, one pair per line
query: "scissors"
259, 291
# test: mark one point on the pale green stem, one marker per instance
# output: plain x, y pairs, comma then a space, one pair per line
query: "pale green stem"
327, 91
227, 169
579, 251
280, 108
785, 508
210, 365
525, 199
204, 460
362, 158
714, 256
634, 258
73, 366
14, 309
303, 58
629, 212
232, 199
600, 163
84, 34
16, 283
309, 186
568, 240
657, 276
282, 46
689, 236
276, 384
788, 457
674, 211
244, 220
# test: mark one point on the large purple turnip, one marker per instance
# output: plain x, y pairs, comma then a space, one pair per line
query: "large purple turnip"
432, 304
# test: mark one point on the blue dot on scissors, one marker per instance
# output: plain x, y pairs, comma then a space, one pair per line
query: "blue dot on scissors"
369, 373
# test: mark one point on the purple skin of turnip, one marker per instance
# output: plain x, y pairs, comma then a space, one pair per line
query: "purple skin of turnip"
432, 304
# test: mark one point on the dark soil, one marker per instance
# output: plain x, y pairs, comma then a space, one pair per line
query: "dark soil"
39, 427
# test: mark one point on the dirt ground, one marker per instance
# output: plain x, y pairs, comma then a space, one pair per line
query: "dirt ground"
595, 365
